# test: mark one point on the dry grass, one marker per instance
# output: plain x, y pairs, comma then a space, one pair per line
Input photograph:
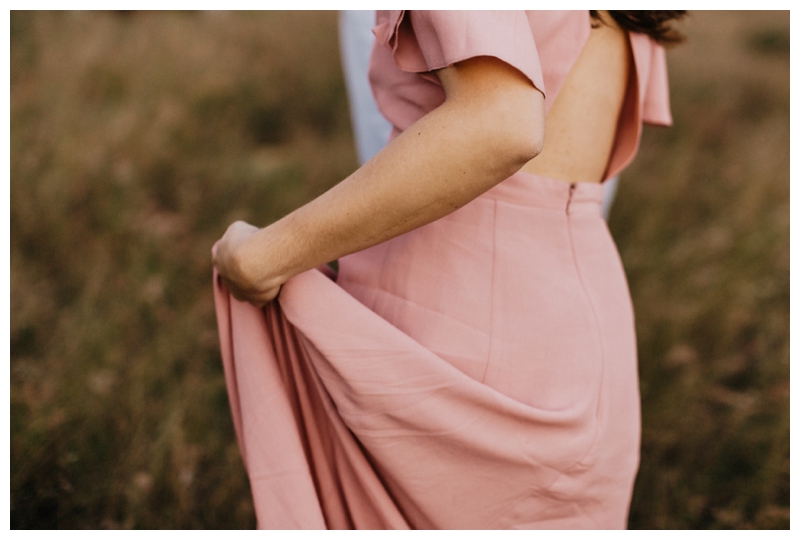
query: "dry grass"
135, 140
702, 222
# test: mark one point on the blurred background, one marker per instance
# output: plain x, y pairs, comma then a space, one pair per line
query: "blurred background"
137, 137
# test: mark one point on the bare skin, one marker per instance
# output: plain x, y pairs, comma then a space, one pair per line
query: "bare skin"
490, 125
582, 123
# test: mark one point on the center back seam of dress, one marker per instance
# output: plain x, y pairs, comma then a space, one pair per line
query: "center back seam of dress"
570, 225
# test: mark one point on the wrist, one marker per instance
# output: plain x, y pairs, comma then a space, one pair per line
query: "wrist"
258, 261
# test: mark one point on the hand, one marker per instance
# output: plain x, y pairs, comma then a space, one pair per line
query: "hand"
228, 259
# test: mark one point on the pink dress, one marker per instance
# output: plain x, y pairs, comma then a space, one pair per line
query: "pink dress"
478, 372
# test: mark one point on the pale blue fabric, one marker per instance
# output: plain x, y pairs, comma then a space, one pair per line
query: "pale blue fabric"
370, 128
609, 194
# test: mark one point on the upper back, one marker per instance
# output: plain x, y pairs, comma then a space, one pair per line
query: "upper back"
586, 101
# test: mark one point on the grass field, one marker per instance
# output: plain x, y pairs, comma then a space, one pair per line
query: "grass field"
136, 138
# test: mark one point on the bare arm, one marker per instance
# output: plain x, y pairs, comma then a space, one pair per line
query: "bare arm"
490, 125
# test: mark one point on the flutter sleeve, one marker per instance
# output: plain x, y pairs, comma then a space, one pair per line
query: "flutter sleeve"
650, 103
424, 41
655, 101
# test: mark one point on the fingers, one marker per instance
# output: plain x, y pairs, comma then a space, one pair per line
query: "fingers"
262, 299
256, 298
223, 249
221, 253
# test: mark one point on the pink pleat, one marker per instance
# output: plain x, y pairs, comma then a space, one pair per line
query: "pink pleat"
306, 469
347, 421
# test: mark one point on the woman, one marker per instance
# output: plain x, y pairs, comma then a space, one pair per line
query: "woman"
474, 365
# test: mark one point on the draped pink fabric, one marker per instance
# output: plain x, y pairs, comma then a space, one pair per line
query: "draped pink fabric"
478, 372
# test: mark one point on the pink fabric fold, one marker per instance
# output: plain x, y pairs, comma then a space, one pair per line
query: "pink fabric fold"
349, 416
306, 469
342, 429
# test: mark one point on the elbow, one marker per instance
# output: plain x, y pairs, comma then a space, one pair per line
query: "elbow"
523, 140
529, 143
520, 130
528, 128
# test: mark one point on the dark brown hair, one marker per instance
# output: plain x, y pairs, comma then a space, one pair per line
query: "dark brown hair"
653, 23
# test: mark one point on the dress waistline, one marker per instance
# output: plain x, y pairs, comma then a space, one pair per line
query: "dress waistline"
529, 189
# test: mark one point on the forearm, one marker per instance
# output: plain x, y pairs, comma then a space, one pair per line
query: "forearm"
443, 161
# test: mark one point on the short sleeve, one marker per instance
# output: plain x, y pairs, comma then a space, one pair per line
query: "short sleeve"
423, 41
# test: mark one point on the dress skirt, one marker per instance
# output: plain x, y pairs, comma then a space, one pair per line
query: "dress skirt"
479, 372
